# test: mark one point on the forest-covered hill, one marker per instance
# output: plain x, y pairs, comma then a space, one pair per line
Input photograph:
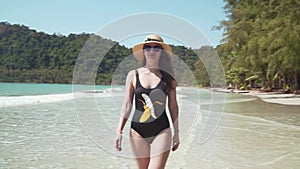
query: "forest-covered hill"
36, 57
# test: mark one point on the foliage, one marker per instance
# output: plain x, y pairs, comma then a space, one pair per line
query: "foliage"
36, 57
263, 36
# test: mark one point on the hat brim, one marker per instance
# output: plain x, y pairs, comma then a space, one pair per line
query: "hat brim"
138, 51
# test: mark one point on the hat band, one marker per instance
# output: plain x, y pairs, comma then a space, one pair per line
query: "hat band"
149, 39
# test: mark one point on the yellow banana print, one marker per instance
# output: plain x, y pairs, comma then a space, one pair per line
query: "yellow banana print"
148, 108
146, 115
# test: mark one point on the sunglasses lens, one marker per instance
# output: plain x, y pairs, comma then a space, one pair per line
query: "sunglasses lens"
147, 47
156, 48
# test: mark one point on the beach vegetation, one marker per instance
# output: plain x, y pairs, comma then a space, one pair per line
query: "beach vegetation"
262, 36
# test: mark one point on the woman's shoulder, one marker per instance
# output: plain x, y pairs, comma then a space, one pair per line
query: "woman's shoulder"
132, 73
131, 77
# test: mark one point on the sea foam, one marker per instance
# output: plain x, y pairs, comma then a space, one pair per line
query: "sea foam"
24, 100
7, 101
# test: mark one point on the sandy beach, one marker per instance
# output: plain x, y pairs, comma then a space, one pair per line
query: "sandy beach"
270, 97
286, 99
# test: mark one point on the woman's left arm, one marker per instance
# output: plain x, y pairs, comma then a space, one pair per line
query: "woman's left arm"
173, 107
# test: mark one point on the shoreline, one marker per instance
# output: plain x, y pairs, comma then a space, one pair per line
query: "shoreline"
277, 98
269, 97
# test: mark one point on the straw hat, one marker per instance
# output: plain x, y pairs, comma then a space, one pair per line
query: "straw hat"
138, 49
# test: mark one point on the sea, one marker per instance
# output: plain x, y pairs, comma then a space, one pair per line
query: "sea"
66, 126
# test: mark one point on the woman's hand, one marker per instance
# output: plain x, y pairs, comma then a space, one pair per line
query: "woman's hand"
118, 142
175, 141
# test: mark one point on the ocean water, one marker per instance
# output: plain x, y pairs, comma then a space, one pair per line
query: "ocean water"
31, 89
48, 126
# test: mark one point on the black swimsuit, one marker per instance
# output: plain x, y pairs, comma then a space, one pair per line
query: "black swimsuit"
158, 119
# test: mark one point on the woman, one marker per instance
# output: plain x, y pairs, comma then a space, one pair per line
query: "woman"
153, 86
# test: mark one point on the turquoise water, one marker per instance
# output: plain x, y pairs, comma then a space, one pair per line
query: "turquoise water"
29, 89
78, 132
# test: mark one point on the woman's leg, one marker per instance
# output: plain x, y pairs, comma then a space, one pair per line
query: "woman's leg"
141, 149
160, 149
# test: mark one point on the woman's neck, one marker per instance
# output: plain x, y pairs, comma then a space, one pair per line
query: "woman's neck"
152, 68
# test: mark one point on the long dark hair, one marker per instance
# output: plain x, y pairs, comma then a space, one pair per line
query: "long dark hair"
166, 68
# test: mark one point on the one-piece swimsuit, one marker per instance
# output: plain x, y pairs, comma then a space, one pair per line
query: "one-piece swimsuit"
153, 101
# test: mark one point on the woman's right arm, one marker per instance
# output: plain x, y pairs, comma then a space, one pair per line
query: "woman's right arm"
126, 107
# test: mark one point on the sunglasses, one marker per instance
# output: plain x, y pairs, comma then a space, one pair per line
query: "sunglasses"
156, 48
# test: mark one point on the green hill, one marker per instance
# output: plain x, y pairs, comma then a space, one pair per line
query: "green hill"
28, 56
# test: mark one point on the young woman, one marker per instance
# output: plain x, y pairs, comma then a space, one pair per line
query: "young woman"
153, 88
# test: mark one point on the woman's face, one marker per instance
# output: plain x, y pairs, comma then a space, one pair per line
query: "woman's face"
152, 51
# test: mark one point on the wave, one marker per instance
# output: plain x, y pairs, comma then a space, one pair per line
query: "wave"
7, 101
274, 123
25, 100
279, 158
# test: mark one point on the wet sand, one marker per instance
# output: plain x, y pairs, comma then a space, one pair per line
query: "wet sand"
286, 99
270, 97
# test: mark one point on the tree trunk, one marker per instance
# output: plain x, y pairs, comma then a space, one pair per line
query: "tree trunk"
296, 86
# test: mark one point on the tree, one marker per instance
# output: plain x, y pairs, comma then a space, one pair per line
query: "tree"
263, 36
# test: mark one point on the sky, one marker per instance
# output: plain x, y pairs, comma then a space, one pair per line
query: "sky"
90, 16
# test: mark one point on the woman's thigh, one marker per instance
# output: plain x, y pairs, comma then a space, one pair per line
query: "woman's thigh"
139, 145
160, 149
162, 142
